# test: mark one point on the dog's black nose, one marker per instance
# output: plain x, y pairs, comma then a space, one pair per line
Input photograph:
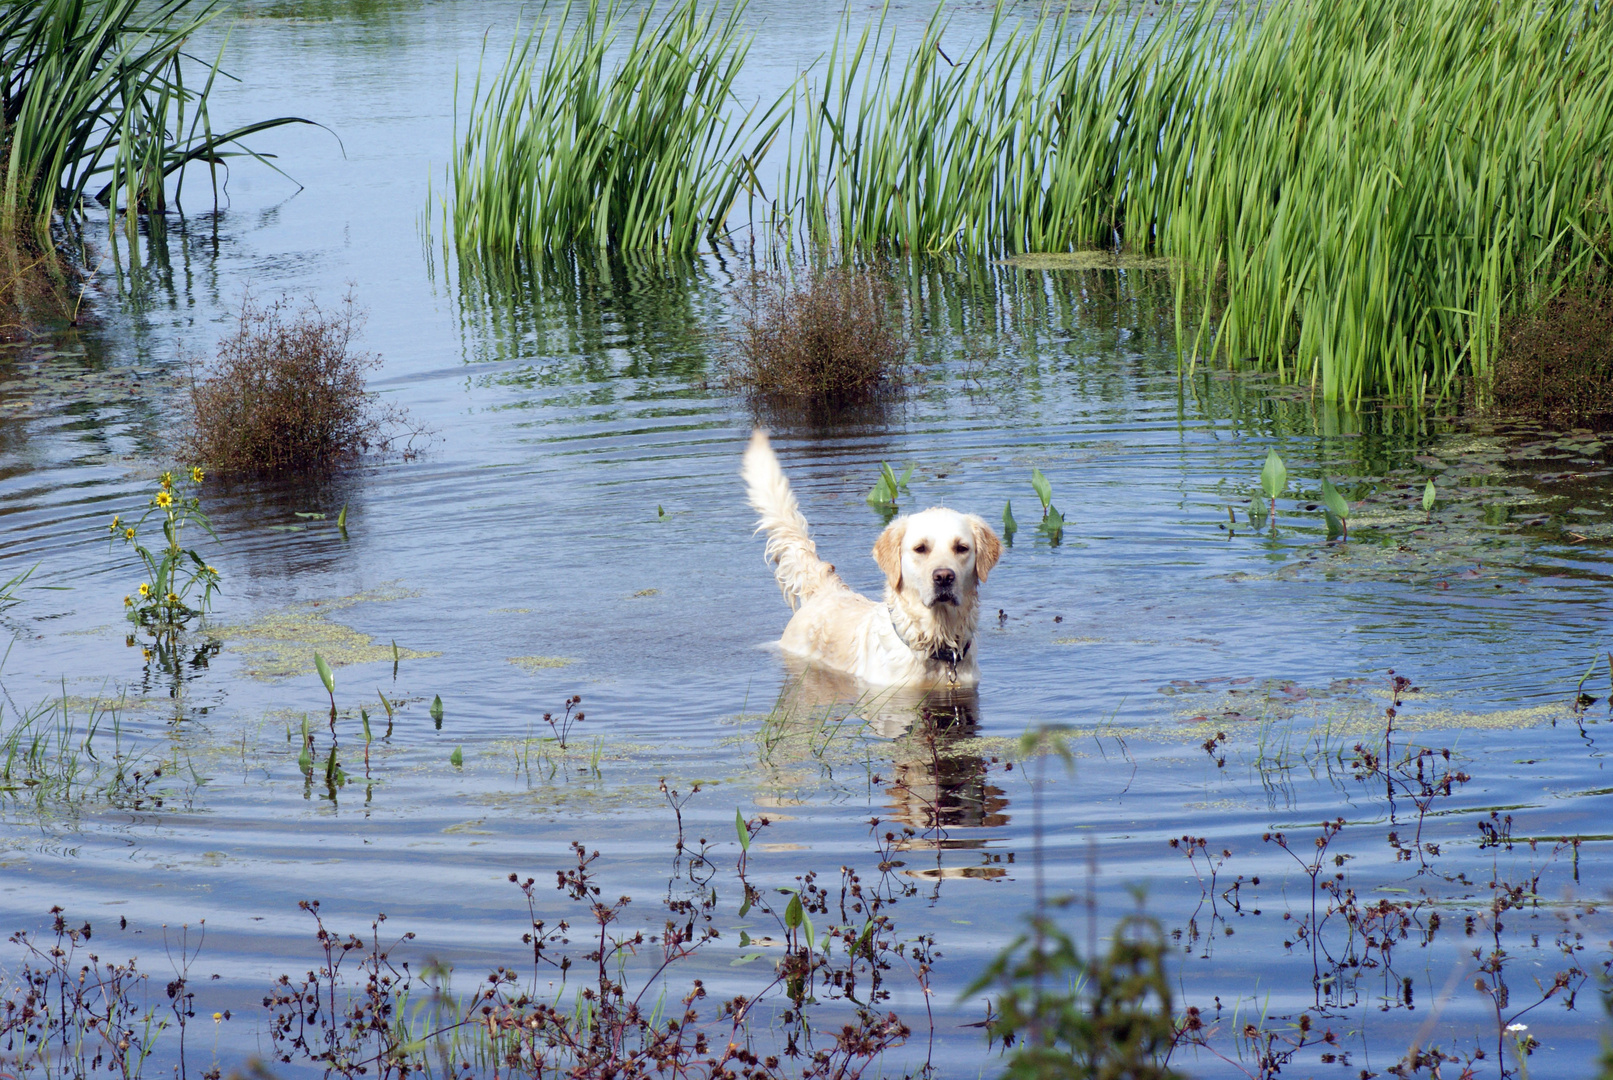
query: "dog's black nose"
944, 578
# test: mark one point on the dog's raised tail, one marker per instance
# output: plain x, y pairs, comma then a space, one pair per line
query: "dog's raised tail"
790, 549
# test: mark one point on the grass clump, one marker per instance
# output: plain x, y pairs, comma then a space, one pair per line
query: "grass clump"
1556, 365
565, 148
287, 394
835, 338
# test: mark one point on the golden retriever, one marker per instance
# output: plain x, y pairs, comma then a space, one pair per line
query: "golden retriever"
923, 633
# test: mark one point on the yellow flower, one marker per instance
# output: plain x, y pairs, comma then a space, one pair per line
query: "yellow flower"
117, 522
210, 570
145, 652
216, 1016
128, 601
128, 534
196, 474
163, 499
145, 590
167, 480
172, 598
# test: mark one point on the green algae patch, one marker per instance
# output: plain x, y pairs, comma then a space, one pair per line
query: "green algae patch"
1085, 260
534, 664
282, 643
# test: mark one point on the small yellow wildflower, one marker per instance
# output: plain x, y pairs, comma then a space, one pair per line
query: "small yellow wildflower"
163, 499
196, 474
128, 534
216, 1016
117, 523
128, 601
145, 652
145, 590
167, 480
172, 598
210, 570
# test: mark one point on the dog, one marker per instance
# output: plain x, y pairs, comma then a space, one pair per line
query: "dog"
923, 633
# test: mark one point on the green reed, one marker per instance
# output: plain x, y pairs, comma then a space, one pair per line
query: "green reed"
96, 104
586, 139
1353, 193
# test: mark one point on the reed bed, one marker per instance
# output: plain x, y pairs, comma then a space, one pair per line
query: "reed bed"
96, 105
583, 138
1355, 193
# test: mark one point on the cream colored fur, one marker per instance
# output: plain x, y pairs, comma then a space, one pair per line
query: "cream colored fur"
922, 634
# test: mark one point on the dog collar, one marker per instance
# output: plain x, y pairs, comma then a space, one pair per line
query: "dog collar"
945, 654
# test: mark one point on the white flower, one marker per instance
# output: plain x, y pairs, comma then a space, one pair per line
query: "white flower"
1517, 1027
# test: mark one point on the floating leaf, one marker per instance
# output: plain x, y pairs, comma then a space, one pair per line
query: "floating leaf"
309, 516
744, 833
325, 674
1428, 497
457, 758
659, 511
1044, 490
1010, 526
1335, 524
744, 940
1273, 476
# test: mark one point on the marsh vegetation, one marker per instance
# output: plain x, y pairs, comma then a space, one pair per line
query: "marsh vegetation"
1191, 824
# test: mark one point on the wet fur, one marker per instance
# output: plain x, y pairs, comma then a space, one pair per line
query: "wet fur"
887, 643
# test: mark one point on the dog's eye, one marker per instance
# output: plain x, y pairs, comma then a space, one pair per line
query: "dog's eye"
921, 549
961, 549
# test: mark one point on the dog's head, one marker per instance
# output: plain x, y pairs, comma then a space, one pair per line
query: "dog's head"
937, 556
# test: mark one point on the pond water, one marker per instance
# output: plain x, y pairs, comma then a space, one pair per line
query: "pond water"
577, 526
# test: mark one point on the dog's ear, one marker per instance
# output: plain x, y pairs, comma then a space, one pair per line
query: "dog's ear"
888, 551
988, 549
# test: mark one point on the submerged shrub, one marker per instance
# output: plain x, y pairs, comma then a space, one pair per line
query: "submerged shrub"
1556, 365
287, 394
835, 338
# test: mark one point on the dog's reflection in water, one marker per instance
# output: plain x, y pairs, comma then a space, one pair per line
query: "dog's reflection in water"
934, 785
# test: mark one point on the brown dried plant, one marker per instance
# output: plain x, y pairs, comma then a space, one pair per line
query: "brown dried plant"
1556, 365
287, 394
835, 337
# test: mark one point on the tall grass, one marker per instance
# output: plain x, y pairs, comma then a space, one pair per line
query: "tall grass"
582, 139
1355, 192
96, 104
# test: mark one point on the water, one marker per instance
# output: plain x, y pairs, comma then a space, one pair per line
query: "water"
522, 559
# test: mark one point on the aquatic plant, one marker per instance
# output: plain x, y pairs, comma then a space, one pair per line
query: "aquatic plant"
1366, 272
887, 489
287, 394
9, 587
1010, 526
834, 338
1273, 479
1336, 509
1052, 523
176, 576
568, 146
96, 103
